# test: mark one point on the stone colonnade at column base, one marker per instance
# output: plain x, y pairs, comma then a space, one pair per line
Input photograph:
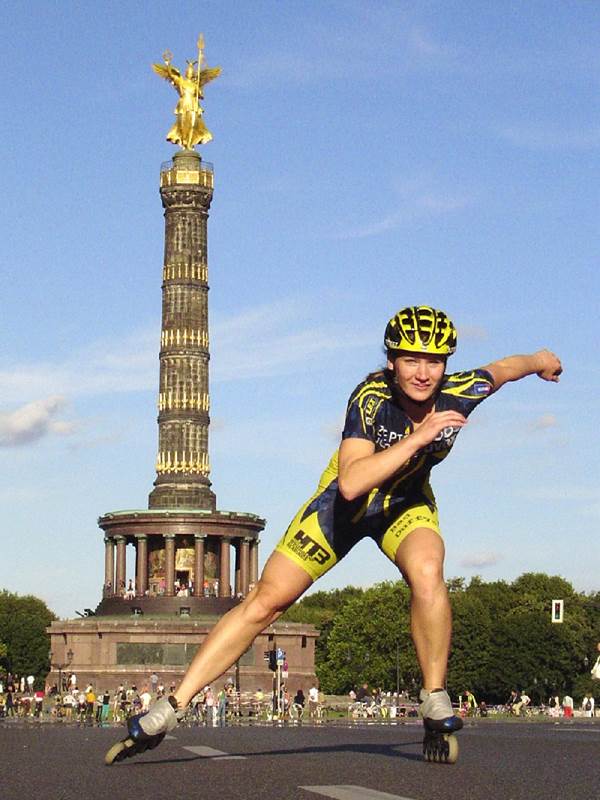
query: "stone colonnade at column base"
107, 651
183, 560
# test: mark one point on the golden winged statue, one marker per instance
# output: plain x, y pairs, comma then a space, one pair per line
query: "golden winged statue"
189, 128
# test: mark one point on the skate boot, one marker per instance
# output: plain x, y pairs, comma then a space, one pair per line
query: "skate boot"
146, 731
440, 722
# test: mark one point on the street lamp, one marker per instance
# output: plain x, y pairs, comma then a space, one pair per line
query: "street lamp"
60, 666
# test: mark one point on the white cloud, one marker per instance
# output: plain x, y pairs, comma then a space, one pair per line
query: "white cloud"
33, 421
276, 338
480, 560
423, 43
257, 342
584, 501
588, 495
593, 510
420, 197
472, 333
544, 422
543, 136
119, 365
321, 54
332, 431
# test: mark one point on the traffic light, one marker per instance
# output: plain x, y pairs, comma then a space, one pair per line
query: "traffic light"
558, 609
273, 660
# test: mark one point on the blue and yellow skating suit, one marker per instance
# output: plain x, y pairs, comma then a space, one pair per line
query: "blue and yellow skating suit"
328, 526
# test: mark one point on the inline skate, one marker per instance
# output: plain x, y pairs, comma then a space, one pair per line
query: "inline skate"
439, 743
146, 731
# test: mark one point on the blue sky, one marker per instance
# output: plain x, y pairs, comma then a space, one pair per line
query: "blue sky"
368, 155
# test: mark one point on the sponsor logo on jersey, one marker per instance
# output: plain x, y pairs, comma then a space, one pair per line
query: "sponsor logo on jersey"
306, 547
386, 438
370, 408
443, 441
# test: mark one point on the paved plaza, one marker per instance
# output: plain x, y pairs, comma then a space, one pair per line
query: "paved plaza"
508, 760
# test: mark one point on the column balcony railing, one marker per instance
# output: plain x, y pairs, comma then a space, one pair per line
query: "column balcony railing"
171, 175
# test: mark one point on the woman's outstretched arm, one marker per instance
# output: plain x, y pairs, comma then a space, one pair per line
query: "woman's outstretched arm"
545, 364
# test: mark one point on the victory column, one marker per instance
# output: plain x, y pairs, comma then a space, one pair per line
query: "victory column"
184, 578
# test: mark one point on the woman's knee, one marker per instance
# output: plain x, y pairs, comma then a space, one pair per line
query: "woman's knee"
426, 578
264, 604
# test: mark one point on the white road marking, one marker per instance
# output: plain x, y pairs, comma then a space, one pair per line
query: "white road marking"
210, 752
168, 736
352, 793
576, 730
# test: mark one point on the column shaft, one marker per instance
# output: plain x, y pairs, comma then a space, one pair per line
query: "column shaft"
169, 564
244, 566
224, 567
121, 565
238, 573
199, 565
109, 566
141, 566
254, 561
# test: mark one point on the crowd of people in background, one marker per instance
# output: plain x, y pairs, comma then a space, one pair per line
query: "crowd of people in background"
367, 702
88, 704
20, 697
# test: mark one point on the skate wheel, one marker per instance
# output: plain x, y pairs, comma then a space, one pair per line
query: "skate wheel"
451, 749
441, 748
118, 751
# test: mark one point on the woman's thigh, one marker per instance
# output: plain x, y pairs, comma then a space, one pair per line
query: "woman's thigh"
414, 535
282, 580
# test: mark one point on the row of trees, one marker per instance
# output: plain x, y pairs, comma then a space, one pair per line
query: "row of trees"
503, 637
24, 643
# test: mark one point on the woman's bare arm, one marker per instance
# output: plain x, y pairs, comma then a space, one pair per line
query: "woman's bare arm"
544, 364
362, 469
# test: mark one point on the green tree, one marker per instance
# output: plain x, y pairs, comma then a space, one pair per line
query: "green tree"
369, 637
532, 653
320, 609
23, 623
503, 637
471, 653
315, 607
591, 609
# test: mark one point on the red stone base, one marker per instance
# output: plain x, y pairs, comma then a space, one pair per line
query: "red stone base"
166, 606
107, 651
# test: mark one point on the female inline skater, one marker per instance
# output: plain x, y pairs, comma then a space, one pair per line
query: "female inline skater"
400, 422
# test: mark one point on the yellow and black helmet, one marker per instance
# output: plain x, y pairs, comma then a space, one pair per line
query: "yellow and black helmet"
421, 329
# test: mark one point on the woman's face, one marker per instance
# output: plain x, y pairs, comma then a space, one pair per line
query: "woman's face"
418, 375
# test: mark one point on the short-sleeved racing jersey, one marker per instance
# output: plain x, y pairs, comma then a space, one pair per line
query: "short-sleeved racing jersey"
327, 526
373, 414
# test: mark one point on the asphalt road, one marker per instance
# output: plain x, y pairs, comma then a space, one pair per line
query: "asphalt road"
512, 761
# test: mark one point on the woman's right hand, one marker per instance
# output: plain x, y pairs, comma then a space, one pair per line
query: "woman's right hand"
436, 423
